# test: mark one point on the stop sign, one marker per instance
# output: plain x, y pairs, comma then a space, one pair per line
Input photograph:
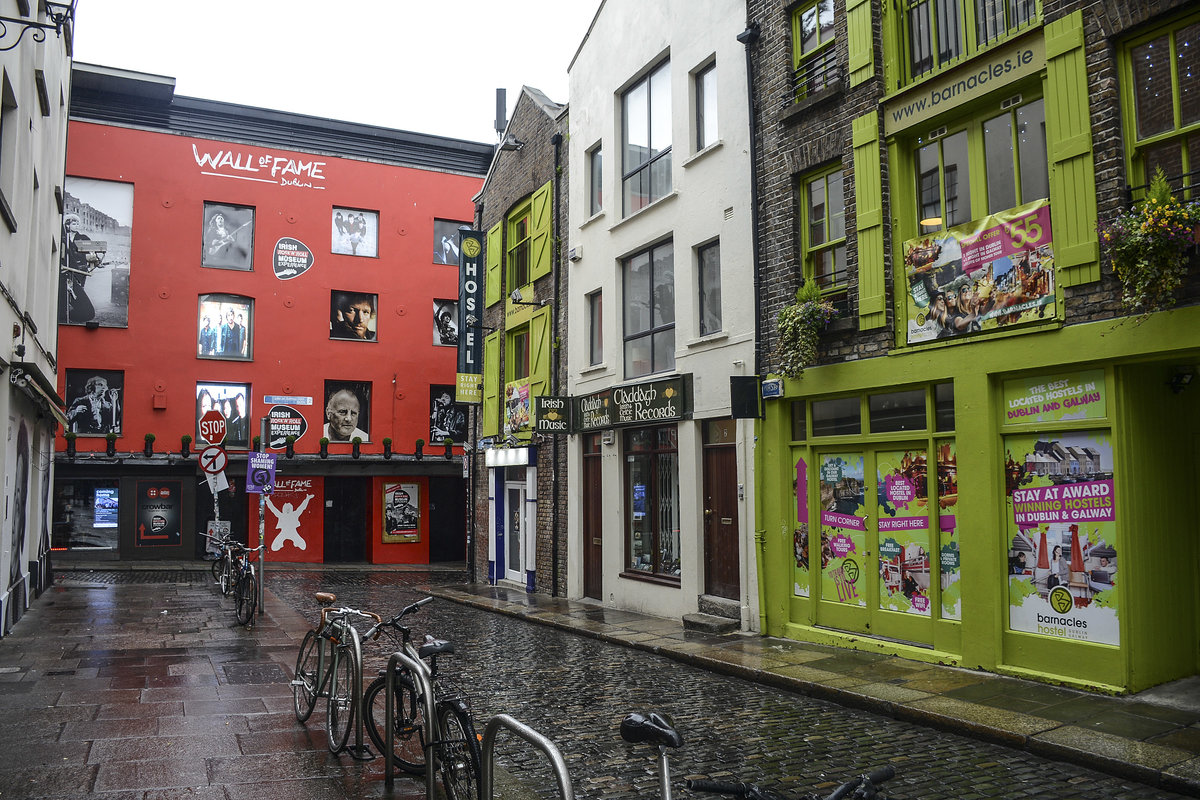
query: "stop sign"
212, 427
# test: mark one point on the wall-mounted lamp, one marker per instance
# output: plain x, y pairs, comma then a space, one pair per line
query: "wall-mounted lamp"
1180, 380
58, 13
472, 321
518, 299
511, 143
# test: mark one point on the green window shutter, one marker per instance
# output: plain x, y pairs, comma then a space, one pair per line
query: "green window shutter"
541, 223
1069, 149
868, 215
860, 42
539, 352
491, 385
495, 249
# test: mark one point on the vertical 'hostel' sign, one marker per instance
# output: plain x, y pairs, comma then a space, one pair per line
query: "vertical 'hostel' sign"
470, 306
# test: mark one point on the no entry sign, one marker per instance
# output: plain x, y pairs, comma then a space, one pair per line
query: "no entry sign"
212, 427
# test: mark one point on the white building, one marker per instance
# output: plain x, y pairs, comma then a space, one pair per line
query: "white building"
662, 311
34, 92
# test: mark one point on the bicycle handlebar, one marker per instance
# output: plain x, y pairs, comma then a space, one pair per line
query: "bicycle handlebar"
326, 612
394, 622
747, 790
863, 786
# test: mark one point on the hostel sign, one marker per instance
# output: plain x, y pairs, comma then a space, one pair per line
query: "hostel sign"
666, 400
470, 307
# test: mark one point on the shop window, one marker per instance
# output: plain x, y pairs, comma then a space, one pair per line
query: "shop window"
706, 106
814, 58
652, 500
841, 416
897, 411
943, 407
649, 319
941, 32
595, 307
86, 514
1161, 73
646, 118
709, 260
799, 428
823, 233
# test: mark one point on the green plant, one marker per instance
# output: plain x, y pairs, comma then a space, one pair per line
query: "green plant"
70, 436
356, 440
292, 439
800, 325
387, 441
149, 437
324, 440
186, 438
111, 436
1147, 247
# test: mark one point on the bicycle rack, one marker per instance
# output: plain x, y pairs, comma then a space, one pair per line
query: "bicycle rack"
357, 751
425, 687
533, 737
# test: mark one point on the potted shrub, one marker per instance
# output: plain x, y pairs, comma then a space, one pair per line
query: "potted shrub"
418, 454
449, 444
289, 446
1147, 247
110, 446
148, 448
324, 447
356, 446
185, 445
800, 326
387, 447
258, 444
70, 436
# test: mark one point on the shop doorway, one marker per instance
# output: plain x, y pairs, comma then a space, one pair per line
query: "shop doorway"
722, 563
593, 519
515, 556
346, 502
874, 523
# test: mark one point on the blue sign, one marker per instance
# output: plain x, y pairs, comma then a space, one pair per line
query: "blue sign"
260, 473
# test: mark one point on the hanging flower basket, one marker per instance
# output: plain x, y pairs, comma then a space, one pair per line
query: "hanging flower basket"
1148, 247
800, 326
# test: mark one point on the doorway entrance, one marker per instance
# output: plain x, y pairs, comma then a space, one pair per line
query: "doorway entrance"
593, 519
515, 528
722, 562
346, 502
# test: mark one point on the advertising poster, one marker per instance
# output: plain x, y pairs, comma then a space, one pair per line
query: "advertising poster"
158, 514
1062, 557
994, 272
517, 411
1071, 395
106, 505
843, 529
903, 514
951, 563
401, 513
295, 521
93, 282
282, 422
800, 578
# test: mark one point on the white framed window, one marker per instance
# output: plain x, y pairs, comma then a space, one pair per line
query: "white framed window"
595, 167
708, 263
649, 278
646, 136
706, 106
595, 308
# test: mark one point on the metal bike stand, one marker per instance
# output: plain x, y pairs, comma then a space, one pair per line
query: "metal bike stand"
357, 751
533, 737
425, 687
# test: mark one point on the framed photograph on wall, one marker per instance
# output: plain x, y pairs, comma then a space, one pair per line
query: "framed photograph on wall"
445, 323
401, 513
355, 233
445, 241
94, 401
228, 237
233, 401
447, 419
225, 327
353, 315
93, 280
347, 411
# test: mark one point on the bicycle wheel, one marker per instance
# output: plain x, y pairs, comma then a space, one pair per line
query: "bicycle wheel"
409, 730
246, 597
216, 569
304, 686
340, 716
227, 575
458, 752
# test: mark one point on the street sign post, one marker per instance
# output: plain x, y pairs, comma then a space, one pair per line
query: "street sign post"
212, 427
213, 459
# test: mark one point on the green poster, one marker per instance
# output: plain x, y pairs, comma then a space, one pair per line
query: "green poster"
1054, 398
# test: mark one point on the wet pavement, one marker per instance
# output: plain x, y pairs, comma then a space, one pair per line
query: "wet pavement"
137, 683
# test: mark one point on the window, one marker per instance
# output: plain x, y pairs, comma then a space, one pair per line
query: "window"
814, 58
8, 150
646, 115
652, 501
518, 248
823, 232
595, 162
709, 260
940, 32
517, 361
1162, 73
1019, 132
706, 106
595, 306
650, 311
943, 183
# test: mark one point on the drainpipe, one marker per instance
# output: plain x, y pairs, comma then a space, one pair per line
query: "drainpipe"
556, 140
749, 38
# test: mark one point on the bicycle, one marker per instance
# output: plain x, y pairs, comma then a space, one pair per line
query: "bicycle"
222, 565
454, 741
245, 580
657, 729
327, 665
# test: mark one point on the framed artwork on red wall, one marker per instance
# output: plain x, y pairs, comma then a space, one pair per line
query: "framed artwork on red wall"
225, 324
347, 411
352, 316
228, 237
445, 241
355, 233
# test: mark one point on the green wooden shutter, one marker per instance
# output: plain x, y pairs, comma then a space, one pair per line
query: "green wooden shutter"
868, 215
541, 222
539, 352
1069, 148
859, 40
495, 249
491, 385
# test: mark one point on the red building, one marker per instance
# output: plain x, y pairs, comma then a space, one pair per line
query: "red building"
271, 266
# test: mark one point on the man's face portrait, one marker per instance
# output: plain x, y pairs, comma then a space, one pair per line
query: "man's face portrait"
357, 317
352, 316
342, 415
100, 387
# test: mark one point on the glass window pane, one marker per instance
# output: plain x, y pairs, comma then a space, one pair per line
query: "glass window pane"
664, 285
660, 109
989, 19
637, 126
660, 177
816, 213
898, 411
998, 155
706, 107
837, 417
808, 28
637, 294
597, 179
956, 179
710, 289
1187, 73
637, 493
836, 197
949, 29
798, 424
825, 19
664, 350
1031, 150
637, 357
929, 188
1152, 101
943, 409
920, 40
595, 327
838, 277
667, 500
1167, 156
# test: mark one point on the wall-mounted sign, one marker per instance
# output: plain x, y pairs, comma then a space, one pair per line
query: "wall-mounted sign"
287, 400
256, 164
666, 400
292, 258
1054, 398
467, 387
158, 514
551, 414
282, 422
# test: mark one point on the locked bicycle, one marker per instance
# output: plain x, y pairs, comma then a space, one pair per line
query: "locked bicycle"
244, 577
222, 563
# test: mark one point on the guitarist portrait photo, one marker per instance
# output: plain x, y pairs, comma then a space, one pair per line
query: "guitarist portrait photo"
228, 237
80, 257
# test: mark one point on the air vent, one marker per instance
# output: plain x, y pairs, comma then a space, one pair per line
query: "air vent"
937, 132
1015, 100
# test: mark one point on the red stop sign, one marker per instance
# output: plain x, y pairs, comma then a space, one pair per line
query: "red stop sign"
212, 427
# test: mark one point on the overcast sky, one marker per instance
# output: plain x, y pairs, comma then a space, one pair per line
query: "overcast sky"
430, 67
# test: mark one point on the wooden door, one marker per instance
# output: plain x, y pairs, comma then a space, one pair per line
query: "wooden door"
346, 501
593, 519
722, 562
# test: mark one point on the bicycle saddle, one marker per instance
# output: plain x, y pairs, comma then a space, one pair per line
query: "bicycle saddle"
325, 598
655, 728
433, 647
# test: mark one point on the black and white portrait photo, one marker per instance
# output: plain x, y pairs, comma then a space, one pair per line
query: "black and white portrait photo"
447, 419
225, 327
233, 401
347, 410
445, 241
352, 315
355, 233
228, 237
93, 283
445, 323
94, 401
